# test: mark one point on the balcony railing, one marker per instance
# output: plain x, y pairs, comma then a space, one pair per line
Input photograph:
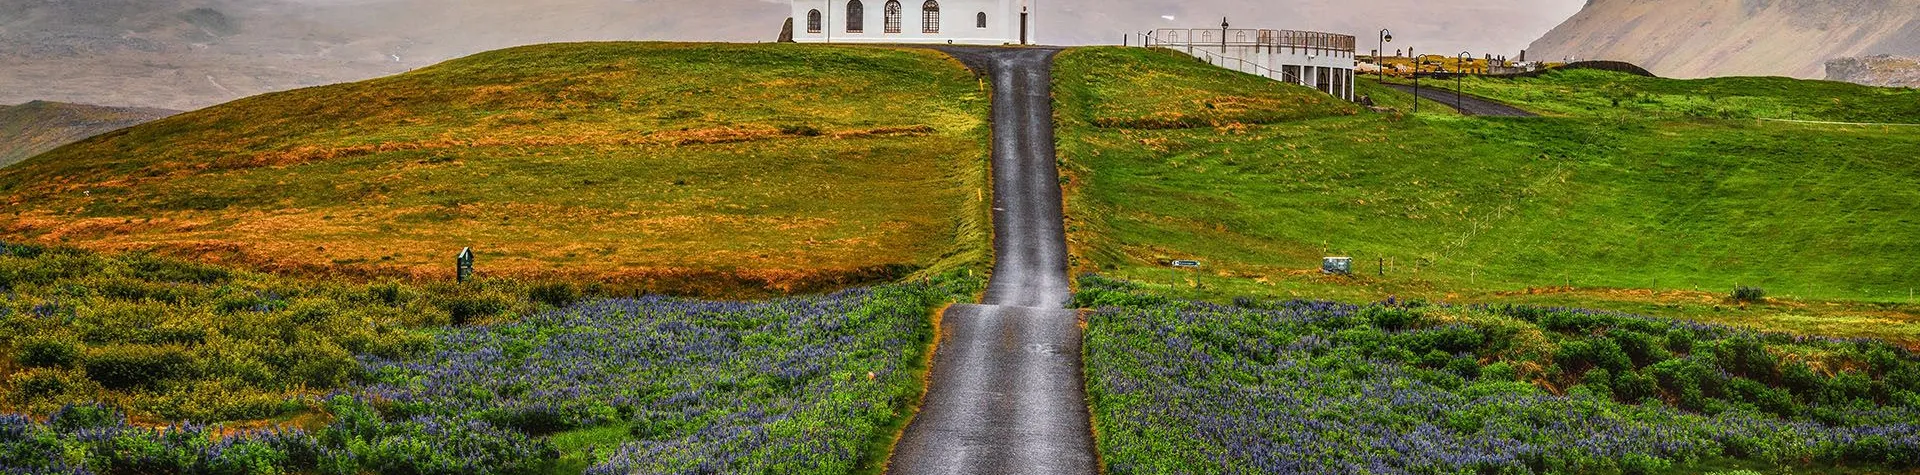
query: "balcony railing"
1275, 39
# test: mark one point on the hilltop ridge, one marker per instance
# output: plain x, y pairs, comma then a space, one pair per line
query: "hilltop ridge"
35, 127
757, 167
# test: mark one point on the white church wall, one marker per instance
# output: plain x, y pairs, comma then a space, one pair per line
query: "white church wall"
959, 22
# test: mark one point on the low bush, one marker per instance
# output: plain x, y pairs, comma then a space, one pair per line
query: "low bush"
176, 340
48, 352
1744, 294
137, 366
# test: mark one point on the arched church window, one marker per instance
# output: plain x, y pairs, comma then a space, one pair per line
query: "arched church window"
930, 17
893, 16
813, 21
980, 21
856, 16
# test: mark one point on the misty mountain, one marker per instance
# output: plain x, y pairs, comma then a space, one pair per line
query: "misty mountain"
187, 54
1698, 38
36, 127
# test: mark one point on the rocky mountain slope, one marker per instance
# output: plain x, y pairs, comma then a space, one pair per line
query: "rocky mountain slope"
35, 127
1877, 70
1700, 38
188, 54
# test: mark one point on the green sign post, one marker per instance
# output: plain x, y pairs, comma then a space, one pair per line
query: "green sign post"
464, 265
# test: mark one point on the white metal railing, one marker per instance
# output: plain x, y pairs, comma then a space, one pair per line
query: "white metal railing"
1273, 39
1244, 66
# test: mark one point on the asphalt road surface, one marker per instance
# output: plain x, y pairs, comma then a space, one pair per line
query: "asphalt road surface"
1469, 104
1005, 395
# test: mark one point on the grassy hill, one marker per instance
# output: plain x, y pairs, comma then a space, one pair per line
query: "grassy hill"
1593, 93
709, 169
35, 127
1652, 213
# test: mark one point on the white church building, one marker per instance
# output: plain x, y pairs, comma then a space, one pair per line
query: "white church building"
970, 22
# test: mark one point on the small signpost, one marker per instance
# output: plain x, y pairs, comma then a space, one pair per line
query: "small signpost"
464, 265
1177, 265
1336, 265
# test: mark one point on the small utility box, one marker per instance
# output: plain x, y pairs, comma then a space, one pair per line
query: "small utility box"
1336, 265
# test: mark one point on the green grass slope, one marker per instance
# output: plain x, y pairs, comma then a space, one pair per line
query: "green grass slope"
36, 127
691, 168
1594, 93
1675, 210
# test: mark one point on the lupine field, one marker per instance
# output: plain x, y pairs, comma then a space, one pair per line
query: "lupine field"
1395, 387
795, 385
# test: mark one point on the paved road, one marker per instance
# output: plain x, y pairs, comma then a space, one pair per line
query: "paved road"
1469, 104
1006, 394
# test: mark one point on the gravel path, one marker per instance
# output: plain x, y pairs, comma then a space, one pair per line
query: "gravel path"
1469, 104
1006, 394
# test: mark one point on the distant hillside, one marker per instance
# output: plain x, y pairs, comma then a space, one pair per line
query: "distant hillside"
708, 169
1692, 38
29, 129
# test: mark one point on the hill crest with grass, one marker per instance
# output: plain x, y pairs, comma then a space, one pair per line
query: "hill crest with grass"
674, 167
35, 127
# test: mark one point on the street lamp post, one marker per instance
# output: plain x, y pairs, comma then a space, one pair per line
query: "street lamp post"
1385, 37
1223, 37
1460, 73
1416, 79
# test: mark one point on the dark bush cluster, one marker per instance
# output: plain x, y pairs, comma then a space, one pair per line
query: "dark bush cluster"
87, 439
77, 326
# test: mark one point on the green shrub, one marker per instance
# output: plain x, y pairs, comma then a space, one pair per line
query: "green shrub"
1466, 367
77, 417
1800, 379
1680, 340
48, 352
464, 309
1641, 348
390, 294
1598, 377
136, 366
42, 383
155, 269
1390, 318
1634, 387
1745, 355
555, 294
1641, 464
1744, 294
1452, 340
1498, 371
1594, 352
1767, 399
1690, 381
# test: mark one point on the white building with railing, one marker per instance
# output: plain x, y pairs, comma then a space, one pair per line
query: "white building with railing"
972, 22
1323, 61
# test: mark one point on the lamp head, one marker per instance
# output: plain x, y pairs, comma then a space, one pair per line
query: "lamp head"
1389, 37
